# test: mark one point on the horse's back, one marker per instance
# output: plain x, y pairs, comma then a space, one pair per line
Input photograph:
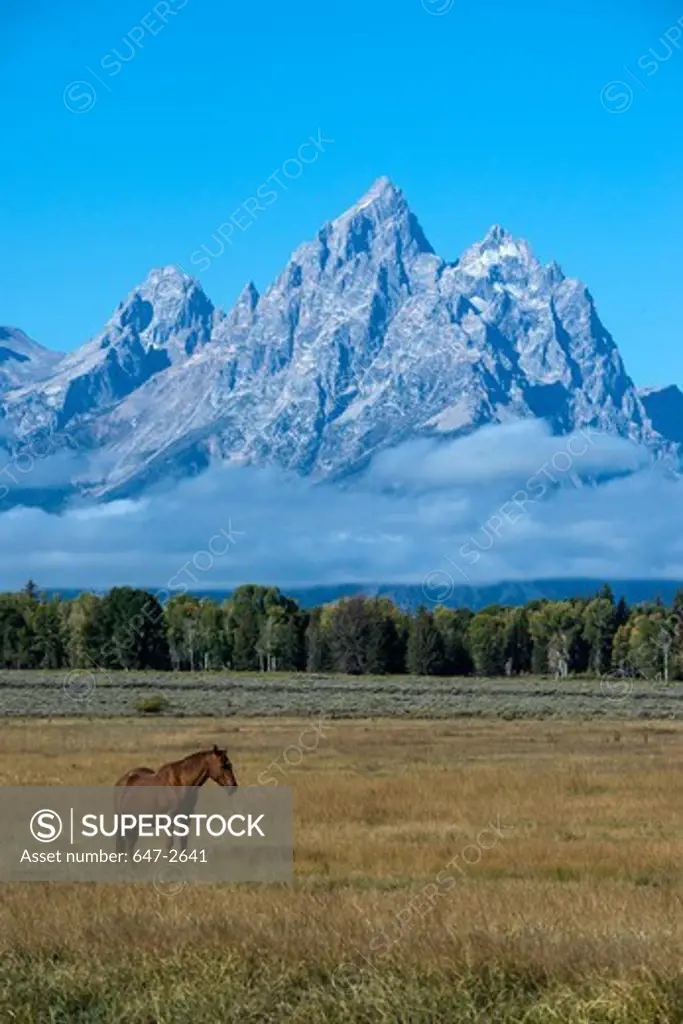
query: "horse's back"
135, 777
134, 794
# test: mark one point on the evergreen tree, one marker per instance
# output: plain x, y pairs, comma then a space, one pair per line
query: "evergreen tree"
31, 590
382, 639
245, 617
518, 642
292, 641
453, 624
127, 631
425, 653
16, 640
622, 613
599, 627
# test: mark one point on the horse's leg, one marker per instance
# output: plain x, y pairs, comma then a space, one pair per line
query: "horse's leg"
183, 809
182, 840
119, 799
121, 844
133, 842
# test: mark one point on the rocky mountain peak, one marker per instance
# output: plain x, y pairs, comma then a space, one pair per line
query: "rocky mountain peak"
169, 310
241, 316
22, 360
366, 339
495, 236
499, 253
167, 288
380, 220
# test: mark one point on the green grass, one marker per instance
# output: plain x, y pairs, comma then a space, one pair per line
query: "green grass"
193, 987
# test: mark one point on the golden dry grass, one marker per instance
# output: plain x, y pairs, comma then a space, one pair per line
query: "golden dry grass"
573, 913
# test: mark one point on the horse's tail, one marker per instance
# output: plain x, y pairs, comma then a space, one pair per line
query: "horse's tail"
125, 798
122, 798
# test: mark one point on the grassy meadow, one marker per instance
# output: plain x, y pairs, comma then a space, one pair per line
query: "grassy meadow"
448, 870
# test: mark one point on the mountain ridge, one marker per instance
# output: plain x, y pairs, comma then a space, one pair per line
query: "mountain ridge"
514, 593
367, 338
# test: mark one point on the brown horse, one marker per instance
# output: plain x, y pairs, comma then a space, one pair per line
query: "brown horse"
188, 774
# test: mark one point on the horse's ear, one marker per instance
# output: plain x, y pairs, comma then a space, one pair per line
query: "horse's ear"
215, 749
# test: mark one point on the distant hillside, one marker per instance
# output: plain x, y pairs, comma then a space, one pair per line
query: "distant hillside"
516, 592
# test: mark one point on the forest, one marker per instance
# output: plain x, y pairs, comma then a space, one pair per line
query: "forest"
259, 628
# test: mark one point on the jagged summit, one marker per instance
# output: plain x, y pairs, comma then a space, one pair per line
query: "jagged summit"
365, 339
496, 247
496, 235
249, 295
169, 283
381, 191
382, 211
170, 272
242, 313
248, 298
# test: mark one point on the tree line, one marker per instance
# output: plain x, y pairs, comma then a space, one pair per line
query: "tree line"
260, 629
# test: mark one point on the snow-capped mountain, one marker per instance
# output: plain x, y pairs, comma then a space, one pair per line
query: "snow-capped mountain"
22, 360
161, 323
366, 339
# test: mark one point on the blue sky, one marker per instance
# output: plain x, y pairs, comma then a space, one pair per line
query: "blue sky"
486, 113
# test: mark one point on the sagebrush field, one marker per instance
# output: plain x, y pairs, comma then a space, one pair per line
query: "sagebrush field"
100, 694
564, 841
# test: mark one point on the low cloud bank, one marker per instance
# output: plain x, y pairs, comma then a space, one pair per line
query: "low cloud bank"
509, 502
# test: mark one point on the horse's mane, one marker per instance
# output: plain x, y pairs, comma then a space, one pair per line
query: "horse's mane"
200, 755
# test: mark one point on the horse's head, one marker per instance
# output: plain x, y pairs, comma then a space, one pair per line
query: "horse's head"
220, 768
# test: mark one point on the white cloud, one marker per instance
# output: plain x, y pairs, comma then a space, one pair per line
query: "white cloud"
453, 502
510, 451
